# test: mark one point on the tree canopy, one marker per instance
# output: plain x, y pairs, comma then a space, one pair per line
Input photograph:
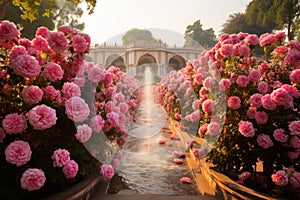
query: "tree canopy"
195, 35
138, 36
275, 15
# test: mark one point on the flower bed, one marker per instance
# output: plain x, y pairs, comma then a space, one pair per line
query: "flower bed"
244, 107
61, 118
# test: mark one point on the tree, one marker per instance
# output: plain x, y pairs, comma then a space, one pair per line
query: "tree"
138, 36
237, 22
30, 9
65, 13
195, 35
275, 15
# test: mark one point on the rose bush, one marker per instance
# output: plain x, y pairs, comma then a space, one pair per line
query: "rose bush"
250, 103
61, 117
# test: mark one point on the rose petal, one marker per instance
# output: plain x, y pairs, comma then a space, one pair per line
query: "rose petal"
161, 142
186, 180
178, 161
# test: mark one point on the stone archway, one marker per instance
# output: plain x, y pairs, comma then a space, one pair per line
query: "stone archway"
117, 61
149, 60
177, 62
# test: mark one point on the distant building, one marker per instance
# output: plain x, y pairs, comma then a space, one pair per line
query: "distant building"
131, 58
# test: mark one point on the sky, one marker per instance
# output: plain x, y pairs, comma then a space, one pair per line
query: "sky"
115, 17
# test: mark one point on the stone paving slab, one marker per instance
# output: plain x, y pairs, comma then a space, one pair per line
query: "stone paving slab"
154, 197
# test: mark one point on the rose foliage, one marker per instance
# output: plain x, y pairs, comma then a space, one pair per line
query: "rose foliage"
244, 108
61, 117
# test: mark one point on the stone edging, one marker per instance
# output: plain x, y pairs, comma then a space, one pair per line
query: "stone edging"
82, 190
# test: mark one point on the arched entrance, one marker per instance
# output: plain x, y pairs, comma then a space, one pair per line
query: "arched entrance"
146, 59
117, 61
177, 62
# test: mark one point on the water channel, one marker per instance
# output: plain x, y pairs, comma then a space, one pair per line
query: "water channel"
147, 167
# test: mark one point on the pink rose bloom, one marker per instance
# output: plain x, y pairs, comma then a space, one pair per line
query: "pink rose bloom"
122, 140
264, 67
263, 87
255, 100
112, 118
32, 94
50, 93
246, 128
242, 35
294, 127
40, 43
18, 153
280, 36
84, 133
70, 169
97, 123
293, 58
280, 51
295, 142
70, 89
8, 31
226, 50
208, 83
213, 129
264, 141
109, 106
267, 39
96, 73
251, 39
119, 154
26, 65
123, 107
208, 106
294, 179
25, 43
224, 84
116, 163
261, 117
68, 30
234, 102
244, 175
57, 41
107, 171
251, 112
254, 75
280, 136
60, 157
295, 76
76, 109
17, 51
14, 123
280, 178
53, 71
291, 89
268, 103
242, 81
33, 179
281, 96
79, 44
241, 50
196, 115
42, 117
42, 32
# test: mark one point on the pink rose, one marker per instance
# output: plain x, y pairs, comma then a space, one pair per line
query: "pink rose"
263, 87
76, 109
97, 123
295, 142
293, 58
57, 41
280, 36
255, 100
280, 136
251, 112
224, 84
60, 157
263, 67
280, 51
51, 93
242, 81
79, 44
268, 103
8, 31
67, 30
110, 106
119, 154
42, 31
241, 50
261, 117
18, 153
280, 178
107, 171
213, 129
208, 106
234, 102
196, 115
116, 163
112, 118
32, 94
267, 39
281, 96
295, 76
26, 65
264, 141
40, 43
208, 83
14, 123
246, 128
33, 179
70, 169
96, 73
226, 50
84, 133
294, 179
53, 71
42, 117
251, 39
121, 141
254, 75
294, 127
70, 89
244, 175
17, 51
